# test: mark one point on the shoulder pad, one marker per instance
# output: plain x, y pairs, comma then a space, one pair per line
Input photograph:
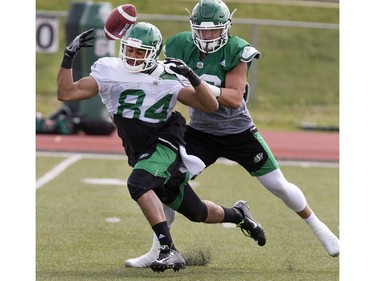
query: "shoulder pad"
249, 53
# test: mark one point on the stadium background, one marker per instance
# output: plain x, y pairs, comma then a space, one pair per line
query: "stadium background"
294, 84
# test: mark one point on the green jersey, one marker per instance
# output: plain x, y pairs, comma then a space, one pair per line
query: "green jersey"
213, 69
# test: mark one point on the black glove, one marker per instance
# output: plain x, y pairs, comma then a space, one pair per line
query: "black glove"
73, 48
181, 68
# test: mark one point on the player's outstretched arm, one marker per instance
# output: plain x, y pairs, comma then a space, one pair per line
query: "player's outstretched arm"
85, 87
202, 95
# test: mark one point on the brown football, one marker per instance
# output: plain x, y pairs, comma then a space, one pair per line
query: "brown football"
119, 21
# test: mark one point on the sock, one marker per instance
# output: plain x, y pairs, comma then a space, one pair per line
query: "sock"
162, 233
314, 223
155, 244
232, 215
324, 234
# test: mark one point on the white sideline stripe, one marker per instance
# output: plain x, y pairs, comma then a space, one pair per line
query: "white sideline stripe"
57, 170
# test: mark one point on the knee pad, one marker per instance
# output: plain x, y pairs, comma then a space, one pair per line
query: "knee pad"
136, 190
140, 182
291, 194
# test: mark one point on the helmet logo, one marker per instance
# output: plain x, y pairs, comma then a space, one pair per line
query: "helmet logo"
134, 42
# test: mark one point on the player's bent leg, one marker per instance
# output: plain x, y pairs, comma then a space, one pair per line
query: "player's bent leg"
209, 212
192, 206
289, 193
293, 197
140, 184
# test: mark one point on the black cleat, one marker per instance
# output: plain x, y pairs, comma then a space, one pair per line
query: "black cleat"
248, 225
168, 258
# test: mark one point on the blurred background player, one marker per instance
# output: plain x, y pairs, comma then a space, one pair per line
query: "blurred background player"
224, 61
140, 93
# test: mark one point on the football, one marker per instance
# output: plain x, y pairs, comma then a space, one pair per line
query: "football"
119, 21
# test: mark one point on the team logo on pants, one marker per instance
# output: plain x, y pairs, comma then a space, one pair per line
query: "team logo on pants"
258, 157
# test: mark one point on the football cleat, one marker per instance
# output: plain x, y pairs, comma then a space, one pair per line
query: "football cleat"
168, 258
144, 260
248, 225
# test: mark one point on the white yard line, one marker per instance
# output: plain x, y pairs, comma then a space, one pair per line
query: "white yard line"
57, 170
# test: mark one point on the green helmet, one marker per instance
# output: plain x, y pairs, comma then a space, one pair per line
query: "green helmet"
210, 15
143, 36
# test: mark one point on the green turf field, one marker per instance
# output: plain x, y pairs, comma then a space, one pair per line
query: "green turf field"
76, 238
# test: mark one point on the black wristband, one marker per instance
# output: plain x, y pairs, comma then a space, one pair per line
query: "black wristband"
67, 62
194, 80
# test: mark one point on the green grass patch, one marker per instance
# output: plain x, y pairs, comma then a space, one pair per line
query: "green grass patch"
75, 242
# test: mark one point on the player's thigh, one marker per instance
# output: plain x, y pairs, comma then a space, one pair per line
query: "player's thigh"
253, 153
201, 145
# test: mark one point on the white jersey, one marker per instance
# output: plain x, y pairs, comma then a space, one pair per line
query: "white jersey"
147, 97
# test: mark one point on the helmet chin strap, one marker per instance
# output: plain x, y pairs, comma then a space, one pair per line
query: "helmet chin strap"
151, 70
